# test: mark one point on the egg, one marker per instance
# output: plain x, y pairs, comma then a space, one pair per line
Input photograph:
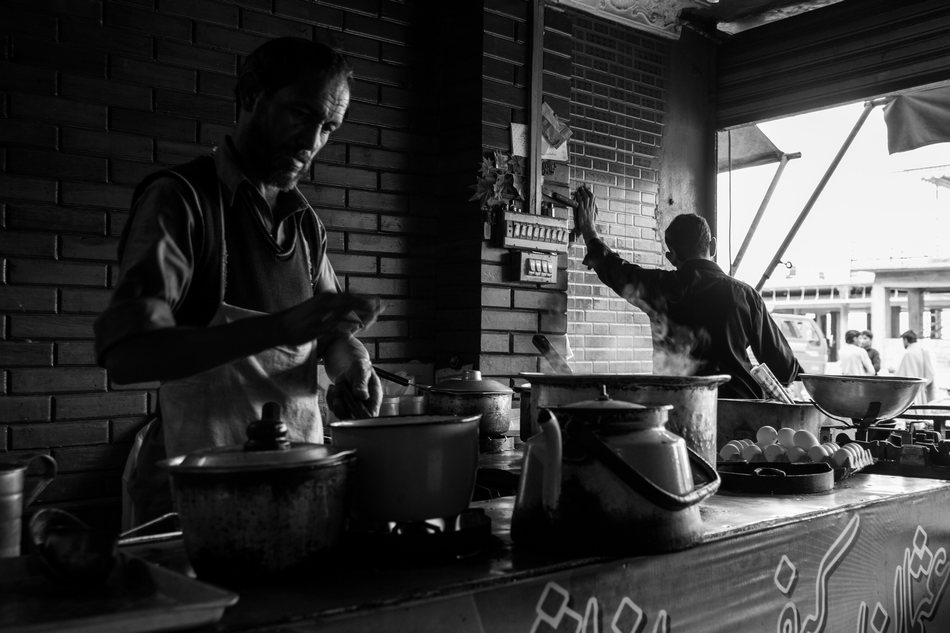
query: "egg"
817, 453
786, 437
766, 435
775, 453
795, 454
752, 453
805, 439
842, 458
729, 452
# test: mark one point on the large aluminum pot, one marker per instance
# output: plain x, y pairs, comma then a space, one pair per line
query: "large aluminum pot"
260, 514
694, 400
470, 394
411, 468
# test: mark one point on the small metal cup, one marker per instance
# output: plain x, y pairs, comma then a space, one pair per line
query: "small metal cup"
13, 499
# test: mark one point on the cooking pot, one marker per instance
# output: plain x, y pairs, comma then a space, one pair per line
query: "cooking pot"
265, 509
411, 468
471, 394
606, 475
468, 394
694, 400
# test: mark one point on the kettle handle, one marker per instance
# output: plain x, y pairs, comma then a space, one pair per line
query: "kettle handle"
637, 481
49, 472
551, 473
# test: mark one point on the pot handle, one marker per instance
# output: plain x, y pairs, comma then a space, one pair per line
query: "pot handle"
637, 481
49, 472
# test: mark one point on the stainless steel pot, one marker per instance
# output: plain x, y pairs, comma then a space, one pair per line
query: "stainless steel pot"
470, 395
694, 400
263, 509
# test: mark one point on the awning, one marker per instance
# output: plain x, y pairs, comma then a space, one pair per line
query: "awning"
916, 119
746, 146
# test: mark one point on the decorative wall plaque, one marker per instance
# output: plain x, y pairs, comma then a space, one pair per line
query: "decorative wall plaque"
660, 17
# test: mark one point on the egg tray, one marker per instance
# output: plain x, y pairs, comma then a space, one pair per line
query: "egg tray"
779, 478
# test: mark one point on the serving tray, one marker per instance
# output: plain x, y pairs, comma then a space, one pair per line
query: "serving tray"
146, 597
776, 478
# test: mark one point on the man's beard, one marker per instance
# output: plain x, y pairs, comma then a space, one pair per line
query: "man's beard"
285, 179
277, 166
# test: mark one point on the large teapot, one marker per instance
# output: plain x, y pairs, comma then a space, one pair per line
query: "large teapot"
605, 475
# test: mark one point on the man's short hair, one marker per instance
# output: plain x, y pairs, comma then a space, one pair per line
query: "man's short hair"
688, 236
851, 335
867, 333
910, 336
282, 61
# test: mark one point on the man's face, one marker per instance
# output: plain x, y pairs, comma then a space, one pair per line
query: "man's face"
285, 130
864, 341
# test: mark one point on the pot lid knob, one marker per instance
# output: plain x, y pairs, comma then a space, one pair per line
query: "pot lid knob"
269, 433
605, 404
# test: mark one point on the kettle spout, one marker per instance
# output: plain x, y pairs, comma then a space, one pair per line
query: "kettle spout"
550, 455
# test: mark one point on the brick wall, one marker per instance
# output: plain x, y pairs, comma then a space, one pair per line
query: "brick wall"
618, 99
94, 95
489, 318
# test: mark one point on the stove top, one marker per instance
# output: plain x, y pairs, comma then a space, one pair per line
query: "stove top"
465, 535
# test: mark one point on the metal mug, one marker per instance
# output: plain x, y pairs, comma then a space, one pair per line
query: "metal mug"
13, 498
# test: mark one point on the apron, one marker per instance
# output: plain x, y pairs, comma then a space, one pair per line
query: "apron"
213, 408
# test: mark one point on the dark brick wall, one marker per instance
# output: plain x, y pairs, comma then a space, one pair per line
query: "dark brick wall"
490, 318
618, 103
94, 95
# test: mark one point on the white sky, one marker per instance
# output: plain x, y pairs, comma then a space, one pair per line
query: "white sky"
874, 205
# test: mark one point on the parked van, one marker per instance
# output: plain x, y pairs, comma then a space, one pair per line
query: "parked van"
806, 340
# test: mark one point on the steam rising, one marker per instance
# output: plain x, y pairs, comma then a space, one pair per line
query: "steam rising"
672, 343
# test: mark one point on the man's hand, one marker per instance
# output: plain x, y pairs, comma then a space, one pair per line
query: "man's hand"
327, 314
585, 213
357, 393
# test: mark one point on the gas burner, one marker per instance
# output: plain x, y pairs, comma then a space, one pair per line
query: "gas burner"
462, 536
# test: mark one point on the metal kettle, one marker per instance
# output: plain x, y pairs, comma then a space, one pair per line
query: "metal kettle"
606, 475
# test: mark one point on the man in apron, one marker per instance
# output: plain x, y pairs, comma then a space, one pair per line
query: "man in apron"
226, 296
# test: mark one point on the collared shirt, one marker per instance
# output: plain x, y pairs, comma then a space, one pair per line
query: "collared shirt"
854, 361
703, 320
263, 273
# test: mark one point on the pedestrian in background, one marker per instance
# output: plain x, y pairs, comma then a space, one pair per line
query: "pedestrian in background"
853, 358
917, 363
864, 340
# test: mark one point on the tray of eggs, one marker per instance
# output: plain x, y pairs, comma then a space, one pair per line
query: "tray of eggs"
788, 461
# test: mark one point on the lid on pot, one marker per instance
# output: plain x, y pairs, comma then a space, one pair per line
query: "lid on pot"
605, 404
267, 448
234, 459
470, 382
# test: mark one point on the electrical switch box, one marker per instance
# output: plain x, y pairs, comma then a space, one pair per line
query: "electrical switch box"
535, 267
528, 231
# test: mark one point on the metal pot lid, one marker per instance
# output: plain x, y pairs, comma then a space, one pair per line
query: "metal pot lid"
605, 404
235, 459
471, 382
